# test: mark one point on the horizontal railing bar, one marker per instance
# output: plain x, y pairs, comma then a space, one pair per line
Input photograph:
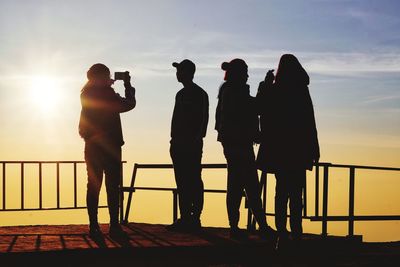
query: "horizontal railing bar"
346, 218
288, 215
46, 209
171, 166
217, 166
321, 164
45, 161
128, 189
358, 218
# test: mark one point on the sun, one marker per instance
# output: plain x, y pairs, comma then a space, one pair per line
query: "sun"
44, 92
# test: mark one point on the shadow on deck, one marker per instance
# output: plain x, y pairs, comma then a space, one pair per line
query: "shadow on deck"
152, 245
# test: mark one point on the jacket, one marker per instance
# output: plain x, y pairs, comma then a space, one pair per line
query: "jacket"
236, 117
190, 116
100, 120
288, 130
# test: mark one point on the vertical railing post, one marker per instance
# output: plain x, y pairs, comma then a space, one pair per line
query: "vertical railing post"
128, 203
175, 206
40, 186
75, 186
305, 197
317, 190
351, 201
249, 216
264, 190
121, 195
4, 185
22, 186
58, 185
325, 202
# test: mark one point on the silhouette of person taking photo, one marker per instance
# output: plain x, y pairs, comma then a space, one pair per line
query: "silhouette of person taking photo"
238, 128
188, 127
289, 143
100, 127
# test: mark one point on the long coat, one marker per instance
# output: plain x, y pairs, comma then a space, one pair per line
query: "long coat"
288, 131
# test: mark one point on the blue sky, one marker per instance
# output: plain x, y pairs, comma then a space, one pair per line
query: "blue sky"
350, 48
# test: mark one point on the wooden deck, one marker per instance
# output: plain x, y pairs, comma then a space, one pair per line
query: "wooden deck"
152, 245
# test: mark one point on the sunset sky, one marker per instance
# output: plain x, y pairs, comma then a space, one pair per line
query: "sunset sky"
351, 50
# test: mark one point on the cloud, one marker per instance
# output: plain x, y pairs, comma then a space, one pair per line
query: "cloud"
324, 63
380, 98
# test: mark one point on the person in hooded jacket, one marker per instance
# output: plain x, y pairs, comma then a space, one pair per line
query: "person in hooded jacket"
100, 127
238, 129
289, 143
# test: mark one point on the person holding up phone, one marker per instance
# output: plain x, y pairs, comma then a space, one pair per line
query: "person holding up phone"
100, 127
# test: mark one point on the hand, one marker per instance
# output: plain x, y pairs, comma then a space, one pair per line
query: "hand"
261, 87
316, 157
127, 78
269, 78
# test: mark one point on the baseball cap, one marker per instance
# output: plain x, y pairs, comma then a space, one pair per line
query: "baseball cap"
185, 65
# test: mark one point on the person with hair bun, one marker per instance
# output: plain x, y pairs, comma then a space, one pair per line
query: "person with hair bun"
289, 143
100, 127
238, 129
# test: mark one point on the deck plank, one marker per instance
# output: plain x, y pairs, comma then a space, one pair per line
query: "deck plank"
153, 245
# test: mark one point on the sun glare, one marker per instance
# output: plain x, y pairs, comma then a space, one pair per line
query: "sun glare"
44, 92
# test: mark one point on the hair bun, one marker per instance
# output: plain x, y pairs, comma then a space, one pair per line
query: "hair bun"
225, 66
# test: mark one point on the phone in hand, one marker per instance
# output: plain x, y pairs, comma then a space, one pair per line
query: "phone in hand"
121, 75
269, 77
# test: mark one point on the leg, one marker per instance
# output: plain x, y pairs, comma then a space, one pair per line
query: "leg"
93, 158
235, 185
281, 199
252, 186
296, 202
197, 186
179, 159
113, 178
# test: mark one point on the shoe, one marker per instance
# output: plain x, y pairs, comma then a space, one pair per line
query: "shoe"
117, 233
282, 243
179, 225
95, 232
195, 225
297, 237
238, 234
267, 233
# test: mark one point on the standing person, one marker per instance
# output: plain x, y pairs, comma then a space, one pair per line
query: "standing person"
188, 127
100, 127
237, 126
289, 142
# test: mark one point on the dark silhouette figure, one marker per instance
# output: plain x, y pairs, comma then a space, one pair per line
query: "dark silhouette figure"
100, 127
289, 143
238, 128
188, 127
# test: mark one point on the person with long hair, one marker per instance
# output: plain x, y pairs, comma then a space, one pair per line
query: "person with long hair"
289, 143
100, 127
237, 126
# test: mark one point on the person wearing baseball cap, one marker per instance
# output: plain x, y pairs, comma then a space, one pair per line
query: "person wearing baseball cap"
237, 126
188, 127
100, 127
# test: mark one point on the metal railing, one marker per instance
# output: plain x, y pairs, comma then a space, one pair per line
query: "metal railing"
324, 218
40, 166
350, 217
132, 188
